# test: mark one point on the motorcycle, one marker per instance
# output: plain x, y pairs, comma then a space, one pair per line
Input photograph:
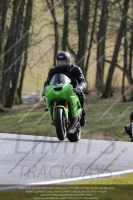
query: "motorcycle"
64, 108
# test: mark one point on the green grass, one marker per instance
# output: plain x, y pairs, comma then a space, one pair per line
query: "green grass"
114, 188
35, 121
112, 180
31, 119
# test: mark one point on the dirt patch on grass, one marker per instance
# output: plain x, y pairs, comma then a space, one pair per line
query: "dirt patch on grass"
23, 108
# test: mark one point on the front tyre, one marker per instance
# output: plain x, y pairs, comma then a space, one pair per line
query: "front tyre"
74, 137
60, 124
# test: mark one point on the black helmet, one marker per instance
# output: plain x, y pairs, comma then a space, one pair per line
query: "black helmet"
64, 56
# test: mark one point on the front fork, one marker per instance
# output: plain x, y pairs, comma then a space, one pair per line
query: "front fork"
65, 112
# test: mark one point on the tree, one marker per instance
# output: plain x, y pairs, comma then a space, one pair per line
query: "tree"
91, 36
82, 26
85, 22
51, 7
108, 90
101, 38
65, 25
14, 49
26, 24
130, 55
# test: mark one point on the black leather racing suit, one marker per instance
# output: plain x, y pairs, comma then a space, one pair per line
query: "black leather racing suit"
76, 76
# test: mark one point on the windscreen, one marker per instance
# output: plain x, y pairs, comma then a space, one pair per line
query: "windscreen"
59, 79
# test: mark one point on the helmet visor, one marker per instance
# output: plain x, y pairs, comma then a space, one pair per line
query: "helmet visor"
61, 62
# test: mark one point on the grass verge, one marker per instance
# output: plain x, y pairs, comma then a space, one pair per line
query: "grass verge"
113, 188
105, 120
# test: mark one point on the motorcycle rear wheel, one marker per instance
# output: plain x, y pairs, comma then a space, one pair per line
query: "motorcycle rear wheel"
74, 137
60, 124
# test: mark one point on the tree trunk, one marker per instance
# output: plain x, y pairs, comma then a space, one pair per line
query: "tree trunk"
65, 26
3, 32
83, 24
56, 33
129, 70
91, 38
14, 51
9, 59
18, 54
108, 91
125, 68
26, 27
101, 38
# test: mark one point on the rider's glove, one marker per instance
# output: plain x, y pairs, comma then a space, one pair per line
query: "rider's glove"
77, 90
125, 129
43, 94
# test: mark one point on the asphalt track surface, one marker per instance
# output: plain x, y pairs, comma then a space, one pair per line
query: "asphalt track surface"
28, 159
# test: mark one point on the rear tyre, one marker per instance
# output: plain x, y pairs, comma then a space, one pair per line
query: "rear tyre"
60, 124
74, 137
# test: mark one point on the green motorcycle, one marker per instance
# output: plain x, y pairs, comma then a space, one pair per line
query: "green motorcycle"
64, 108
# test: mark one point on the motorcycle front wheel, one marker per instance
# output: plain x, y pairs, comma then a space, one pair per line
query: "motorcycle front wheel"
60, 124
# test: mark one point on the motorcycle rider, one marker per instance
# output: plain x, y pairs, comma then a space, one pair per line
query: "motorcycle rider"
64, 66
128, 127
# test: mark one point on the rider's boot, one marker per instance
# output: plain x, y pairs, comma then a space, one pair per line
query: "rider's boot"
83, 118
